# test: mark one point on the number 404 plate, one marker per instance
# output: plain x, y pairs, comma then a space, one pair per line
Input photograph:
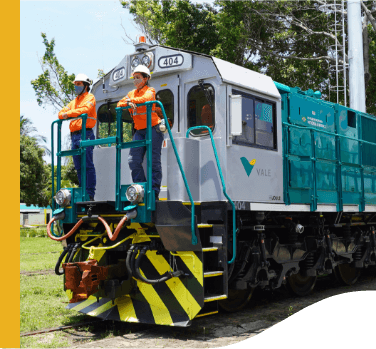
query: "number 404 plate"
170, 61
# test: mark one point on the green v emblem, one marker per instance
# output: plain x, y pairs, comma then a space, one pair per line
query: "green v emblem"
248, 165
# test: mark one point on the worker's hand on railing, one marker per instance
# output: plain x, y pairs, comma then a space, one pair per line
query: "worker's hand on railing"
65, 116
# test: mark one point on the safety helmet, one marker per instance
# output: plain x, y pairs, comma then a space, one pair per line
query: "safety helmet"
83, 78
142, 69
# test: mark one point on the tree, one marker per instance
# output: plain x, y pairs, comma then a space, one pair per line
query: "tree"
27, 129
54, 86
288, 40
33, 175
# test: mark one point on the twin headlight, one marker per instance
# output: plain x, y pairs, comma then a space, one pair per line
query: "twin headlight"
135, 193
63, 197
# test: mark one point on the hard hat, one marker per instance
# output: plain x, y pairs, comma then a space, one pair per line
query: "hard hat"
142, 69
83, 78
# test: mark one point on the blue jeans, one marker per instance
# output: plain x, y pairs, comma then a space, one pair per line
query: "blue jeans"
91, 178
136, 157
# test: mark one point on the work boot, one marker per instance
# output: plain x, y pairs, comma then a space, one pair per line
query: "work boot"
91, 198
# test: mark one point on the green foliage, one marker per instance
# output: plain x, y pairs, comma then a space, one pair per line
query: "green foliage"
33, 174
54, 86
288, 40
177, 23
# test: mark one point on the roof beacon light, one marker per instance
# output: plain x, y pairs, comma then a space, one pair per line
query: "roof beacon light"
141, 44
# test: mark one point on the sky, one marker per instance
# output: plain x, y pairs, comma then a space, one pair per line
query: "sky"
88, 36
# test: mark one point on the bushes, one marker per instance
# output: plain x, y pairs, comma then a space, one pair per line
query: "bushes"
33, 232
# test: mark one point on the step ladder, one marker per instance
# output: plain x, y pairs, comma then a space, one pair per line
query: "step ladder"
213, 239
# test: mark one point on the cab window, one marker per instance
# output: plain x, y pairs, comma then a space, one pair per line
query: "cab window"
107, 122
166, 97
258, 120
201, 111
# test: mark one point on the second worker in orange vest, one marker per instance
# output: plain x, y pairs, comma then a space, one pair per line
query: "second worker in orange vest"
142, 94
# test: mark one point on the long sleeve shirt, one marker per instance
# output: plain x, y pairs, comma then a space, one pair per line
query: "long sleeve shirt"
138, 97
83, 104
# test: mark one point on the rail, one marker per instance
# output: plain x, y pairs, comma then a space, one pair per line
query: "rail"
147, 142
223, 186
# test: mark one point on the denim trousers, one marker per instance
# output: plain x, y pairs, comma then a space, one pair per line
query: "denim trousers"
136, 157
91, 178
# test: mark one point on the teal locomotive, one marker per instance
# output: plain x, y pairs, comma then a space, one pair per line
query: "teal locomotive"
263, 185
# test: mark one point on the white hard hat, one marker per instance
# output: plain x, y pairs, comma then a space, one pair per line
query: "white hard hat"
142, 69
83, 78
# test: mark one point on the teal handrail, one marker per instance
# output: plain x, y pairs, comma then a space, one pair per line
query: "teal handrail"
148, 145
223, 186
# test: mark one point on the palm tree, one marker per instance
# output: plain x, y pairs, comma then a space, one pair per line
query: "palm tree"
27, 129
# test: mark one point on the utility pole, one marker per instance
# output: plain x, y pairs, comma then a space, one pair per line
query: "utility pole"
356, 65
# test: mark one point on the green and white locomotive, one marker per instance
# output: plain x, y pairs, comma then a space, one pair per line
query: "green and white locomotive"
263, 185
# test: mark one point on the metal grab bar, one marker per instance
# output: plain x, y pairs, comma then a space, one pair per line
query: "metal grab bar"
148, 145
223, 186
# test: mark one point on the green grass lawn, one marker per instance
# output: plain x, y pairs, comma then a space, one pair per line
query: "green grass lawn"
36, 254
39, 245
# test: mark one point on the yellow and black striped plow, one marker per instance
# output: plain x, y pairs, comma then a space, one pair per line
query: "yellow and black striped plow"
174, 302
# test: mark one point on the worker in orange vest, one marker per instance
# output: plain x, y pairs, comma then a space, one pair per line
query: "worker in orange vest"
84, 103
142, 94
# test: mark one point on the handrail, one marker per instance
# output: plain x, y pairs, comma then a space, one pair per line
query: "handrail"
223, 186
149, 105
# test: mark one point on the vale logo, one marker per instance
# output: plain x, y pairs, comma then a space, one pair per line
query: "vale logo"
248, 165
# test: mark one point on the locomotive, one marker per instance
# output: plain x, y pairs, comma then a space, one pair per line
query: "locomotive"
263, 185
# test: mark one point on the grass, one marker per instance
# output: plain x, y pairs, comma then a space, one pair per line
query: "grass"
42, 297
43, 302
36, 253
39, 245
33, 232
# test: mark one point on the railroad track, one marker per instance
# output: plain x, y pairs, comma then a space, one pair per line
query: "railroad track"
268, 306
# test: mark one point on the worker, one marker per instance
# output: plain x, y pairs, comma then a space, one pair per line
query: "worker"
141, 94
84, 103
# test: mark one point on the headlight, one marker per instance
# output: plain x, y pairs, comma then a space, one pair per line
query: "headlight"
63, 197
146, 61
135, 63
135, 193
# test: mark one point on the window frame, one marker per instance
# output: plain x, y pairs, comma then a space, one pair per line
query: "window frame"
214, 123
173, 105
274, 116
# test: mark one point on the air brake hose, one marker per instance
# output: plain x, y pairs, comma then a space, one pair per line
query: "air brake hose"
57, 266
66, 235
113, 236
128, 260
156, 281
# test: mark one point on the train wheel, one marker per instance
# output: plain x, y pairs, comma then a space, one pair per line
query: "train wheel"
301, 285
347, 274
237, 300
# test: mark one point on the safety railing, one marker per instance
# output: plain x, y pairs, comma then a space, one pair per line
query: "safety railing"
118, 140
148, 144
223, 186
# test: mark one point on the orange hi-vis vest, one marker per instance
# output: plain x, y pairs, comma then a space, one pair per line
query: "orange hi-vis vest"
138, 97
82, 104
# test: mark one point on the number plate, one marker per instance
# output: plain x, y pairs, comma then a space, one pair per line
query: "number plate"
118, 74
170, 61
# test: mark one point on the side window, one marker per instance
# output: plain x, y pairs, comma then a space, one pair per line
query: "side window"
201, 111
258, 120
107, 122
166, 97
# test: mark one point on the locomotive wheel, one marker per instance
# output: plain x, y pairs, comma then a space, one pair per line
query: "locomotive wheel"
237, 300
301, 285
346, 274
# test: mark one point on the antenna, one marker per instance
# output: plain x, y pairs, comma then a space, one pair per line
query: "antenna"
337, 51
